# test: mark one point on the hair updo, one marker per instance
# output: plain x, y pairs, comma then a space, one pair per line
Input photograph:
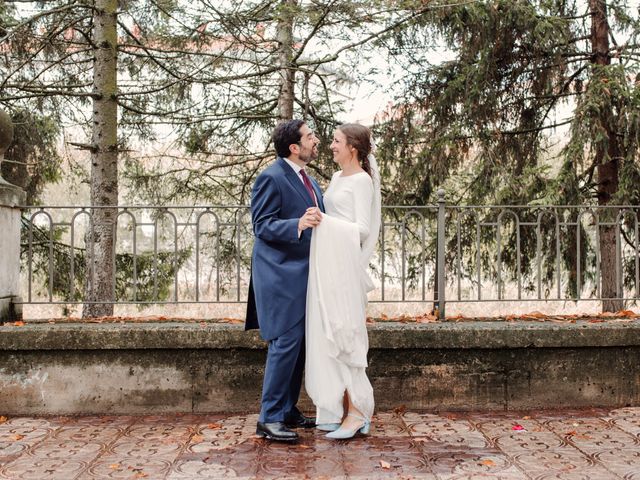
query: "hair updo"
359, 137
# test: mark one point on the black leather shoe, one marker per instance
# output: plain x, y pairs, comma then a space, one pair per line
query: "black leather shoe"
298, 420
276, 431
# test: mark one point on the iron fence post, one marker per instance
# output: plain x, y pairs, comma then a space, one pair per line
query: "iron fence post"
440, 273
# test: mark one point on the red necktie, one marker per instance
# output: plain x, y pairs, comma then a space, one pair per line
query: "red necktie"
307, 183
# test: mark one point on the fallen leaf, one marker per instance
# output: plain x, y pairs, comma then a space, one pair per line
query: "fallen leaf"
385, 465
3, 419
303, 447
19, 323
517, 427
571, 433
233, 320
400, 409
488, 463
140, 475
17, 437
627, 313
197, 439
215, 426
427, 318
526, 417
114, 466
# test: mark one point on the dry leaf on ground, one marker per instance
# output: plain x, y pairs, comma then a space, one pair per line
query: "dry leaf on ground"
385, 465
488, 463
3, 419
197, 439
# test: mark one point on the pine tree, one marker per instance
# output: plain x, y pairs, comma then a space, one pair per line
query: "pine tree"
486, 110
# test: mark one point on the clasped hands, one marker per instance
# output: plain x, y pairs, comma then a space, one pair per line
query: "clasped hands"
311, 218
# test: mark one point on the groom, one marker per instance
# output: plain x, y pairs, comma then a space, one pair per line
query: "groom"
285, 206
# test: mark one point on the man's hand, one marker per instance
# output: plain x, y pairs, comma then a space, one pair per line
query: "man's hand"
311, 218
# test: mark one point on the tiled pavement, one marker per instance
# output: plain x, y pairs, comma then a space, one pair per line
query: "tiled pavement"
577, 444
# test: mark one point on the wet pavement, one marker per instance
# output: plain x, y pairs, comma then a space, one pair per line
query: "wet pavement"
576, 444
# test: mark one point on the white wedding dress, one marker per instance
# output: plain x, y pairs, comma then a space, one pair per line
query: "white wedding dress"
336, 333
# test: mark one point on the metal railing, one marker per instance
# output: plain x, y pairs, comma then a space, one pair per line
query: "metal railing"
434, 254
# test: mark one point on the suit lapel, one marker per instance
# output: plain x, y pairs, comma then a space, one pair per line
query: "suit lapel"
297, 184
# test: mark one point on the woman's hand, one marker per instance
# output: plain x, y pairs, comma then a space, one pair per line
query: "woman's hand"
311, 218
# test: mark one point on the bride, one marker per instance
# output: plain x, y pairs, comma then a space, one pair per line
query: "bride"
341, 247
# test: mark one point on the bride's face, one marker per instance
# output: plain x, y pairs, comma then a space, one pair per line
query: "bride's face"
341, 151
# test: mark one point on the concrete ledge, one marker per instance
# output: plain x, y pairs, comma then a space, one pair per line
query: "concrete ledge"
67, 368
387, 335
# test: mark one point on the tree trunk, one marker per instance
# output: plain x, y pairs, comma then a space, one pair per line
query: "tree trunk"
607, 165
285, 56
100, 284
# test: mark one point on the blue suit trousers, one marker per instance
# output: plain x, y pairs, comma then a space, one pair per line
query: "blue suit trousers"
283, 375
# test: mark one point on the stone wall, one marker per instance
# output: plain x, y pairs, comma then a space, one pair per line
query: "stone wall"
192, 367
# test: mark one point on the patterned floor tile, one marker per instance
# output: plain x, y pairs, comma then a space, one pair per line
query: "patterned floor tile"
29, 468
443, 431
454, 465
129, 468
579, 444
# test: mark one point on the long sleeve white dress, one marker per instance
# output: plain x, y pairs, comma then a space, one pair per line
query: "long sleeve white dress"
336, 333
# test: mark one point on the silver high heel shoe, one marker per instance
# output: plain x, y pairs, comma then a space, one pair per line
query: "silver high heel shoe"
344, 433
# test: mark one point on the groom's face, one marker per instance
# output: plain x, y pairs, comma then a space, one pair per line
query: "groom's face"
308, 145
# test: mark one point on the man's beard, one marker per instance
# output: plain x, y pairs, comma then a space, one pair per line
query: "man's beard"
307, 158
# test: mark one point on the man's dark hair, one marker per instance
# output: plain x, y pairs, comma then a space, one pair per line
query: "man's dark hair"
285, 134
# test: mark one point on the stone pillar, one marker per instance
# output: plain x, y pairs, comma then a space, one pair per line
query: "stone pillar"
11, 198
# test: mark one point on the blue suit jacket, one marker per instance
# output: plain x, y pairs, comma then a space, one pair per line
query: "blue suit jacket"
280, 260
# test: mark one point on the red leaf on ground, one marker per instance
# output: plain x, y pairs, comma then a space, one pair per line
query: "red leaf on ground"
215, 426
400, 409
19, 323
517, 427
